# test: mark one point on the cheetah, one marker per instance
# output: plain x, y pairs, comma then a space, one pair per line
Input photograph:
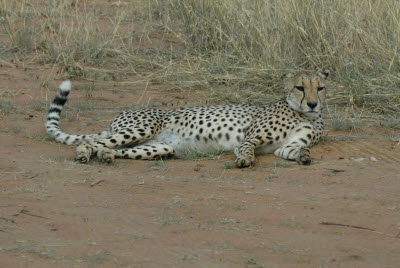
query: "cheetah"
287, 128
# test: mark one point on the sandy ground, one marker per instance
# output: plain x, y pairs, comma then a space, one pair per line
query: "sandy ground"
185, 213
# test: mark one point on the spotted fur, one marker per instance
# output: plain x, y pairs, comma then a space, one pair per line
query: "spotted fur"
287, 128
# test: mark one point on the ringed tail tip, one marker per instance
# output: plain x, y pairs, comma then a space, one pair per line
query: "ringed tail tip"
65, 85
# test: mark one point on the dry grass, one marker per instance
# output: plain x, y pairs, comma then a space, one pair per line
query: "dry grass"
249, 44
238, 49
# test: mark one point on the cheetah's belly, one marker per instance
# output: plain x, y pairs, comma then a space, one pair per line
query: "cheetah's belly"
187, 145
268, 149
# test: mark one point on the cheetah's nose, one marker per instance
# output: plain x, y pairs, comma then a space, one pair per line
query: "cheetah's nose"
312, 104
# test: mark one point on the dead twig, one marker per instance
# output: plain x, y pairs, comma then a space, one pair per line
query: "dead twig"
24, 211
34, 176
347, 225
95, 182
334, 170
7, 219
359, 227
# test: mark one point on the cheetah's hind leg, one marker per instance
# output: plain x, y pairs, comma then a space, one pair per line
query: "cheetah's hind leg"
84, 152
104, 148
146, 151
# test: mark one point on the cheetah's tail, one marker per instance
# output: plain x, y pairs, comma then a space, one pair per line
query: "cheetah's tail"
53, 120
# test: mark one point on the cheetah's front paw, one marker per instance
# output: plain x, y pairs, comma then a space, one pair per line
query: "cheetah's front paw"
106, 155
304, 157
82, 154
242, 162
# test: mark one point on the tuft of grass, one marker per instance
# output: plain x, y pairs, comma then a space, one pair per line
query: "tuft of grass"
345, 120
390, 122
229, 165
241, 206
88, 88
158, 164
280, 165
69, 115
39, 105
292, 223
6, 106
48, 254
97, 258
14, 129
83, 106
167, 219
193, 154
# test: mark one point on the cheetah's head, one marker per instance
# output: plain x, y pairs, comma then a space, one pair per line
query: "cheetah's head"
306, 92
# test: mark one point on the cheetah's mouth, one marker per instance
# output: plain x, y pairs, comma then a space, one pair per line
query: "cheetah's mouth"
312, 112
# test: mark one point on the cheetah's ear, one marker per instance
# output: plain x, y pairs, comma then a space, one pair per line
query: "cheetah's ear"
289, 75
324, 74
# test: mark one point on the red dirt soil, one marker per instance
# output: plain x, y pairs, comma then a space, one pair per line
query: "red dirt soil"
185, 213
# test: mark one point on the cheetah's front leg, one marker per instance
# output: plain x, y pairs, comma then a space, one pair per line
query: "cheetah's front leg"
245, 151
295, 152
297, 147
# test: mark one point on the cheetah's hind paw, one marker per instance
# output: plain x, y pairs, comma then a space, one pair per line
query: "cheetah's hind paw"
106, 155
82, 154
304, 157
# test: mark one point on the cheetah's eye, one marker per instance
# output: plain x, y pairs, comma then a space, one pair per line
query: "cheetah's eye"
300, 89
321, 88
